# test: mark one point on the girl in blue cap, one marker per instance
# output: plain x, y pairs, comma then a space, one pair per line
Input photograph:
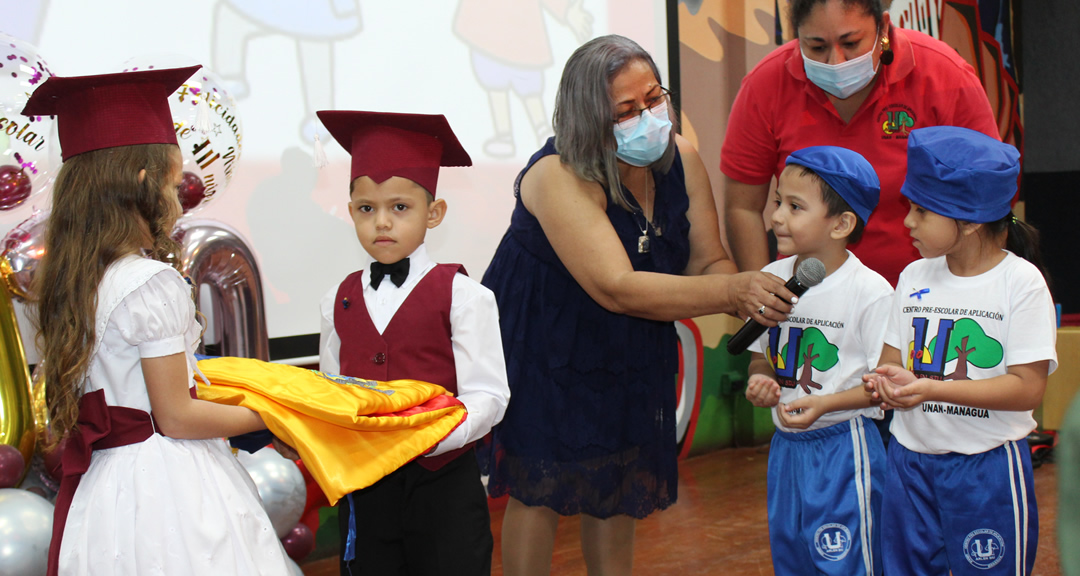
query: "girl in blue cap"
970, 343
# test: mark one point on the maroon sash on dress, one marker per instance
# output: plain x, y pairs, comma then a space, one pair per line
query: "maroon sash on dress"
100, 426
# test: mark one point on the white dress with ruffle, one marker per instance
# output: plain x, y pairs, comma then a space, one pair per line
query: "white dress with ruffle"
162, 506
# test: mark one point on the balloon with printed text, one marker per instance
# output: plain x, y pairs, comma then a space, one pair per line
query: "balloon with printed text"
29, 148
208, 129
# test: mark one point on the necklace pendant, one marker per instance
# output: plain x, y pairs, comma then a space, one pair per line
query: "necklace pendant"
643, 244
656, 230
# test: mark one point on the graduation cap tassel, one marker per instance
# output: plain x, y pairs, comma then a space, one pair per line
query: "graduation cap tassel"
320, 154
202, 114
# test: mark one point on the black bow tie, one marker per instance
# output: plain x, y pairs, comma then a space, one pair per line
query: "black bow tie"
398, 272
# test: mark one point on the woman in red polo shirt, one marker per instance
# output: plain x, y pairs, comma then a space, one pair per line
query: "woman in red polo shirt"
850, 79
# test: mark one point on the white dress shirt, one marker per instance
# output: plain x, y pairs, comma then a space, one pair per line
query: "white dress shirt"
477, 344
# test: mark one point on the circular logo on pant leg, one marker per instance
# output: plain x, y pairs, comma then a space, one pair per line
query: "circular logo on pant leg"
833, 541
984, 548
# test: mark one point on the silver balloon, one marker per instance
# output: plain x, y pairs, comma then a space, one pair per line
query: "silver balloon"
281, 487
216, 256
25, 533
23, 248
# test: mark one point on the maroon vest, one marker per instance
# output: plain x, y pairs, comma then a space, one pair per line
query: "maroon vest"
415, 345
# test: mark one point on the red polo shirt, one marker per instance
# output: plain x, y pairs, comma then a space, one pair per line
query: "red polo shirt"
778, 111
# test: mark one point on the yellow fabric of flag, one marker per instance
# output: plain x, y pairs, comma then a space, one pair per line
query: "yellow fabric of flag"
349, 432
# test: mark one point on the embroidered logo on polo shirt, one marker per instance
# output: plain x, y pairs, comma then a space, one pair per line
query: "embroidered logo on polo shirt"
896, 121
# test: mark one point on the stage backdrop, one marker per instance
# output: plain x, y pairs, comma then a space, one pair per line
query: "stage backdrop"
491, 66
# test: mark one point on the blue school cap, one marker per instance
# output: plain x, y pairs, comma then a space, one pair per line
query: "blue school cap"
961, 173
845, 171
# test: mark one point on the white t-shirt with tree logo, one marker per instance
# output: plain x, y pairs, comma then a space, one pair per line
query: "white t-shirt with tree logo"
949, 327
831, 338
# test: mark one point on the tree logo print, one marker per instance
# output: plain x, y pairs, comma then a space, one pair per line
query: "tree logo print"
811, 350
969, 344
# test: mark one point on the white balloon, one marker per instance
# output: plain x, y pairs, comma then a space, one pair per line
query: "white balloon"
25, 533
281, 487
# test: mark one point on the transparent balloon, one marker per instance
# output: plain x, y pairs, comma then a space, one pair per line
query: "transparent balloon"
29, 148
208, 129
23, 248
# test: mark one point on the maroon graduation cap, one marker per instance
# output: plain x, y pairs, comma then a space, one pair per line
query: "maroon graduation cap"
109, 110
385, 144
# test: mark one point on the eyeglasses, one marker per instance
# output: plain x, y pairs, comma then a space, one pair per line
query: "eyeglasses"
650, 104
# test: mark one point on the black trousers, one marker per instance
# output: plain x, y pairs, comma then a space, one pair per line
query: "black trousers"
417, 522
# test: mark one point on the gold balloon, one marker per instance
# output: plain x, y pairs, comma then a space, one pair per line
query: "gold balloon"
7, 274
17, 423
38, 402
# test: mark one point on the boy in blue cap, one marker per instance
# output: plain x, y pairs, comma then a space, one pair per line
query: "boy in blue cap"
826, 461
970, 343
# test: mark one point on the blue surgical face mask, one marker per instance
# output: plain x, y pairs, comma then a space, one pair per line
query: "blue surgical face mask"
844, 79
643, 140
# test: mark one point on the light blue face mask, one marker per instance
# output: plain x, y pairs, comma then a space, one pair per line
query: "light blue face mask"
643, 140
844, 79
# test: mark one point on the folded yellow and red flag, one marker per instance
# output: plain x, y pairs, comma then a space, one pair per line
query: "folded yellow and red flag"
349, 432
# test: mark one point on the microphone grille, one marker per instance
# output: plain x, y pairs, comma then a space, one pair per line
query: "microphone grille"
810, 272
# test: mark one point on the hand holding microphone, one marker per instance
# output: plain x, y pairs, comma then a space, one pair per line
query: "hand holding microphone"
809, 273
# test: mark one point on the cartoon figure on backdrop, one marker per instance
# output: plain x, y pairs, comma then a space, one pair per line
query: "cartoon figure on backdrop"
827, 461
970, 343
408, 317
314, 26
512, 57
117, 331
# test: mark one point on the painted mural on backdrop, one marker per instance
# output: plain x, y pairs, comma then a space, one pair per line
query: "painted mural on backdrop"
981, 31
719, 42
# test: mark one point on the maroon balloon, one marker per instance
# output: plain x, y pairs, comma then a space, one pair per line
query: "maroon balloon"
299, 542
12, 467
192, 191
14, 186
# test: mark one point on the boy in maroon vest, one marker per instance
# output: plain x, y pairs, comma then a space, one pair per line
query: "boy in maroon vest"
408, 317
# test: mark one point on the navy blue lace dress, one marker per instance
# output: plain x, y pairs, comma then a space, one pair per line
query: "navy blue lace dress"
591, 423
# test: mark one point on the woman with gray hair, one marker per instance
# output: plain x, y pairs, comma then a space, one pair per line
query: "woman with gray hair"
614, 236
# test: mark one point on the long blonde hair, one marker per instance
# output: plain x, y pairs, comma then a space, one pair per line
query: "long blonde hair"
100, 212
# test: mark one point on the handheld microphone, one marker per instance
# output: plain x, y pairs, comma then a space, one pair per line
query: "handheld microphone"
809, 274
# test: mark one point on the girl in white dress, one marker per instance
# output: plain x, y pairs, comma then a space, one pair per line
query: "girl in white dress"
158, 494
